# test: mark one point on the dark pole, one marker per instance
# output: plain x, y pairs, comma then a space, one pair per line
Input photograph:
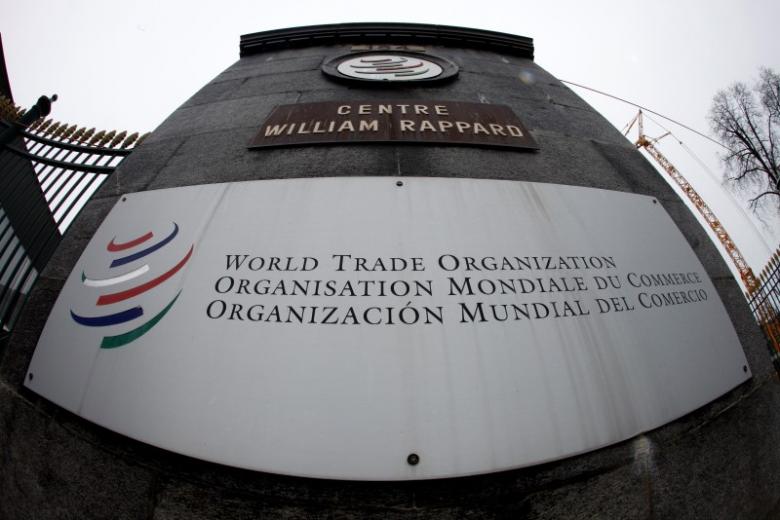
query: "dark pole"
41, 108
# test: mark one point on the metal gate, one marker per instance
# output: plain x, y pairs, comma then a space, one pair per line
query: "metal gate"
765, 304
48, 171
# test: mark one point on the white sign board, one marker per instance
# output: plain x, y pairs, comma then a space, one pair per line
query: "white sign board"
353, 328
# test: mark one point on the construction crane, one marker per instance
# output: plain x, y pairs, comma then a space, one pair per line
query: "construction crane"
745, 272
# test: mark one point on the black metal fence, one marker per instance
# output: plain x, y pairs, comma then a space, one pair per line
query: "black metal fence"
765, 304
48, 171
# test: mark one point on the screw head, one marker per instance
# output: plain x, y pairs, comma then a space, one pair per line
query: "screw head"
413, 459
399, 183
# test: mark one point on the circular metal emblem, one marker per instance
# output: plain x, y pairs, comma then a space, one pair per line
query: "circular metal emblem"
390, 67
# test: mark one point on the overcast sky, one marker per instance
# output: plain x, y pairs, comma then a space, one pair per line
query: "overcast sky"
128, 65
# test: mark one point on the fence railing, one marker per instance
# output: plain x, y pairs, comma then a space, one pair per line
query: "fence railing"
48, 171
765, 304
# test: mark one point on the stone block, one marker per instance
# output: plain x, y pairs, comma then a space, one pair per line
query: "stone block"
221, 115
260, 64
753, 340
91, 216
283, 497
560, 160
137, 171
545, 115
559, 93
638, 172
494, 88
490, 63
621, 493
17, 355
330, 161
302, 52
277, 83
38, 304
223, 157
64, 258
215, 92
48, 473
725, 468
378, 94
697, 238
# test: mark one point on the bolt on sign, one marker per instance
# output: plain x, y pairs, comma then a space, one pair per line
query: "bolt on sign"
440, 122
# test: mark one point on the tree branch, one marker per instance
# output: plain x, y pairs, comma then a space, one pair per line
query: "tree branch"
747, 121
754, 200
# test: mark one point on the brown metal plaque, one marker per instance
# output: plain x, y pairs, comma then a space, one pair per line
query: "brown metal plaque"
439, 122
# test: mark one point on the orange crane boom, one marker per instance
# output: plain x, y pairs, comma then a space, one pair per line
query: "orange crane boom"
745, 272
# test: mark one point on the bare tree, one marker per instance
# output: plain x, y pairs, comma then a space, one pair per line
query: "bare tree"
747, 121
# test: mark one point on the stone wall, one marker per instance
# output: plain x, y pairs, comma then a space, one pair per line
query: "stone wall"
721, 461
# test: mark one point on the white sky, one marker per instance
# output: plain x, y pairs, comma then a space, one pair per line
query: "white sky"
128, 65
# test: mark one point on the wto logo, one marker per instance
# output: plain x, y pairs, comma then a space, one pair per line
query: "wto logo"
392, 67
117, 301
389, 67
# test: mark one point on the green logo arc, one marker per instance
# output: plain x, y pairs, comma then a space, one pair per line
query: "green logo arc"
123, 339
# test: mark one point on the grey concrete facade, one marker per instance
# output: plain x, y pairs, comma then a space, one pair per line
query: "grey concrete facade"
721, 461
